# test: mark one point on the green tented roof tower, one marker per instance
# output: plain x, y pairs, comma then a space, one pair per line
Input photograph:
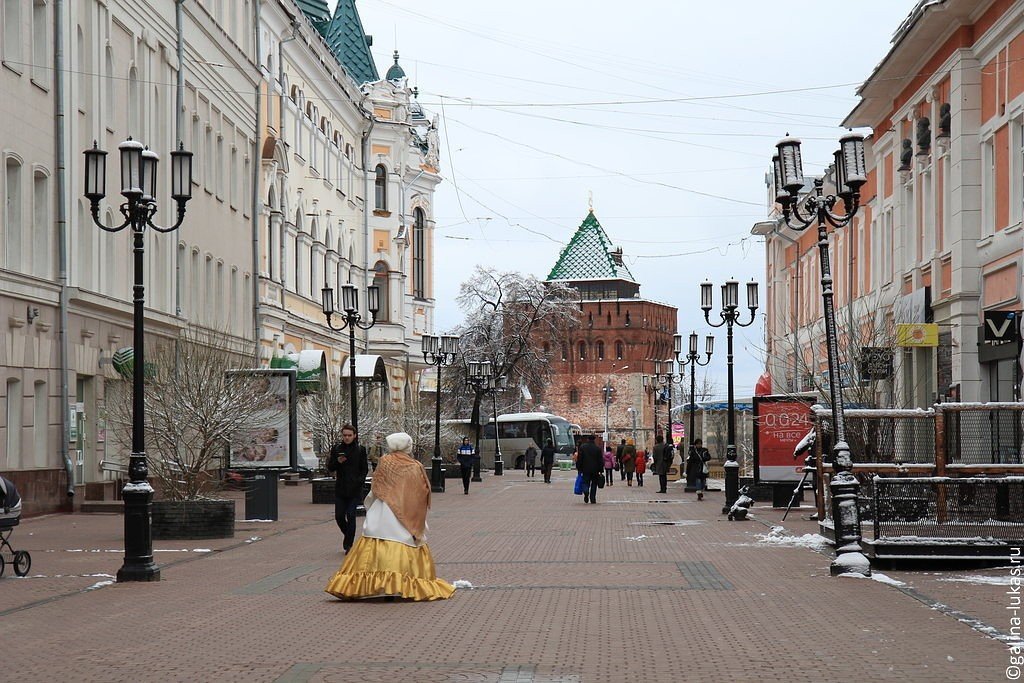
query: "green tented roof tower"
345, 36
590, 256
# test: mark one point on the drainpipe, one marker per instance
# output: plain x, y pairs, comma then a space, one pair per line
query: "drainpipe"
282, 266
366, 210
256, 327
180, 134
62, 235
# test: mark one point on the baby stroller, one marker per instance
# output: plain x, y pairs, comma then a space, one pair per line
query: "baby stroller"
10, 516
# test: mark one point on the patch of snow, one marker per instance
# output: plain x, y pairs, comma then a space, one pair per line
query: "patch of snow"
137, 487
980, 579
882, 578
777, 537
253, 539
852, 562
98, 585
462, 583
258, 521
639, 538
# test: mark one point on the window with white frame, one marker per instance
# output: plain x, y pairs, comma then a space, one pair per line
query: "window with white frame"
988, 188
1017, 169
12, 31
888, 245
12, 214
40, 43
41, 258
928, 217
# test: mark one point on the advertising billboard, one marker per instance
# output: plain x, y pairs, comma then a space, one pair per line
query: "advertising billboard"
272, 442
780, 422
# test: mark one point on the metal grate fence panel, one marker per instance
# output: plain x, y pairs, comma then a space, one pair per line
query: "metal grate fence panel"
943, 507
990, 436
885, 436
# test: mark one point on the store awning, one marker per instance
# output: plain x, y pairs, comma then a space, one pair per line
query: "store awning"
369, 368
764, 385
310, 367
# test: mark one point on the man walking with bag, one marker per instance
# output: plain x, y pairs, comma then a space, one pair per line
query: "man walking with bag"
590, 464
350, 466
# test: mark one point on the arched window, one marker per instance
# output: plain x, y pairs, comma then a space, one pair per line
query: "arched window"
419, 254
565, 352
313, 270
583, 350
574, 395
599, 350
380, 188
609, 320
627, 319
380, 280
618, 350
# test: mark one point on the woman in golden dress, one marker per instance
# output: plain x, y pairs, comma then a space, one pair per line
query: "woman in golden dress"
391, 558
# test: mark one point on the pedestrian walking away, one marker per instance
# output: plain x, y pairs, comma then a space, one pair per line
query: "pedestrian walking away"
662, 461
590, 463
697, 466
629, 461
531, 460
609, 466
618, 460
391, 558
466, 455
350, 466
641, 466
547, 460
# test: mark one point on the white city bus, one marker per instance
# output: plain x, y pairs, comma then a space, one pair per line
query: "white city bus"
517, 431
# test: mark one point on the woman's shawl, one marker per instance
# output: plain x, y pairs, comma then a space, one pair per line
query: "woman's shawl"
401, 482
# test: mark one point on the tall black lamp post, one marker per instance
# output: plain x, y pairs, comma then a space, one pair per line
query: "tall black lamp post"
820, 210
138, 187
494, 385
693, 360
351, 319
730, 316
438, 351
651, 387
478, 376
664, 372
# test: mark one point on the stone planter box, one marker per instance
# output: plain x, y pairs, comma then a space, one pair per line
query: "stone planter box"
193, 519
323, 491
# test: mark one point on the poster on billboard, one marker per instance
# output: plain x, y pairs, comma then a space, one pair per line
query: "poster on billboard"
272, 442
780, 422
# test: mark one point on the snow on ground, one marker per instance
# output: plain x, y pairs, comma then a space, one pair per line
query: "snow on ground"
875, 576
639, 538
777, 537
981, 579
462, 583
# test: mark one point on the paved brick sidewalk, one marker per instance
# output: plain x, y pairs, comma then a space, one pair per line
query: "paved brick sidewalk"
641, 587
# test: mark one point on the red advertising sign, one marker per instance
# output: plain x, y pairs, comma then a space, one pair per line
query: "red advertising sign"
780, 422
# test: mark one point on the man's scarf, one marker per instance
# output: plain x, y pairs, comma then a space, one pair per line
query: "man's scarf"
401, 483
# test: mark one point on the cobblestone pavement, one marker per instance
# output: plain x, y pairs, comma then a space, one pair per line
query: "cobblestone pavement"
641, 587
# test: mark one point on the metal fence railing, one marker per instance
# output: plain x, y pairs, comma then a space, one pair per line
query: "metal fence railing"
949, 507
984, 434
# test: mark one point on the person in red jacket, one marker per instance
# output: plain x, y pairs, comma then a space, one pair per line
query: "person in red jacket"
641, 466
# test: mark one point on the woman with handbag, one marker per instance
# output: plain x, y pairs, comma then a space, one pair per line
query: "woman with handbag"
697, 467
641, 467
629, 461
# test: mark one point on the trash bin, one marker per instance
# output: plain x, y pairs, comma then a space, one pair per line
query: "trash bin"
261, 495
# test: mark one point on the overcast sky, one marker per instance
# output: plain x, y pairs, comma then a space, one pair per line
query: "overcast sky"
665, 111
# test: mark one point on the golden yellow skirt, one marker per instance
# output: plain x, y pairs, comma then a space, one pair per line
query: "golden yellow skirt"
377, 568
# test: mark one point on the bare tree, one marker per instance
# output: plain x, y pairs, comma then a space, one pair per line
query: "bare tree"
860, 328
514, 321
194, 408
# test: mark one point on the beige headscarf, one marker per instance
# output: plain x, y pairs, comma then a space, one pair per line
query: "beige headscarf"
401, 483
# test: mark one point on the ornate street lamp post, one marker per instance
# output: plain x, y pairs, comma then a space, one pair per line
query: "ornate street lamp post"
494, 385
799, 214
651, 387
663, 372
693, 360
138, 187
438, 351
730, 316
351, 319
607, 391
478, 376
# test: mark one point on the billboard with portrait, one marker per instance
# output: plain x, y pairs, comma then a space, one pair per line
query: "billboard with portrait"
271, 442
780, 422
